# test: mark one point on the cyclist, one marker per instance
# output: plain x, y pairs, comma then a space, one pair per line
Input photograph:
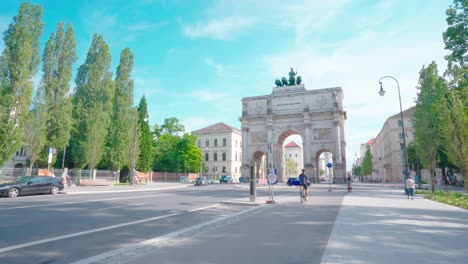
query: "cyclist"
303, 181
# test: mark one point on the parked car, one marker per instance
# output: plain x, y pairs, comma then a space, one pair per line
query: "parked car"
31, 185
200, 181
295, 181
209, 181
226, 179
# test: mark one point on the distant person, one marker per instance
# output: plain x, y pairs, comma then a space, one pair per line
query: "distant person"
409, 185
66, 178
303, 181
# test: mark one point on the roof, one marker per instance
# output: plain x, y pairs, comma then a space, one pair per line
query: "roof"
371, 141
218, 127
292, 144
407, 112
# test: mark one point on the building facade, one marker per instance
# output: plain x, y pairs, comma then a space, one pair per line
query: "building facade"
293, 155
221, 146
16, 165
387, 148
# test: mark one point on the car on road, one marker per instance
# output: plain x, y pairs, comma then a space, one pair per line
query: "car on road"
31, 185
226, 179
293, 181
200, 181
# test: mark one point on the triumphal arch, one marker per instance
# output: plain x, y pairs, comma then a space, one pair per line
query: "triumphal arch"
316, 115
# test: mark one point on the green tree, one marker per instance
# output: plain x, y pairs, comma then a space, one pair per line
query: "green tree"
146, 155
432, 89
367, 163
454, 129
457, 32
35, 135
18, 64
171, 126
455, 109
188, 154
92, 103
118, 138
175, 151
357, 170
53, 93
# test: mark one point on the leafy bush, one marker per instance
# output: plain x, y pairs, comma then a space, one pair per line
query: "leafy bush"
452, 198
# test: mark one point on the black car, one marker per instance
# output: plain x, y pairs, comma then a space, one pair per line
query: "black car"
31, 185
226, 179
200, 181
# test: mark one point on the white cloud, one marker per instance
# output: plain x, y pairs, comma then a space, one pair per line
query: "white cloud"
142, 26
219, 69
220, 29
207, 96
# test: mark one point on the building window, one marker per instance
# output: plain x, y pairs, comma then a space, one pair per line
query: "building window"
402, 146
235, 168
216, 142
224, 142
236, 143
401, 135
290, 155
199, 143
236, 156
207, 143
296, 155
400, 124
224, 156
224, 169
215, 157
207, 156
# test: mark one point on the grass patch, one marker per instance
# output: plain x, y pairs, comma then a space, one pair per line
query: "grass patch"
452, 198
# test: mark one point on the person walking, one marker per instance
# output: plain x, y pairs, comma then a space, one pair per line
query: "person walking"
409, 185
66, 178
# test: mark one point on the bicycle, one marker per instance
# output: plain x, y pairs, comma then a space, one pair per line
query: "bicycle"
302, 194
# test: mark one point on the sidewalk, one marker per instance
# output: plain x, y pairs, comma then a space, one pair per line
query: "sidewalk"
385, 227
124, 188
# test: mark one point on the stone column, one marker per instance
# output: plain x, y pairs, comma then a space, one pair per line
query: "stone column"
337, 154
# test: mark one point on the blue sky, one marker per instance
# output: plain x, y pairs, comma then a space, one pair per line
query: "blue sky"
195, 60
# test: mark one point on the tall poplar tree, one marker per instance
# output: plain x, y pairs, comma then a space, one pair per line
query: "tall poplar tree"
92, 105
427, 125
146, 152
367, 162
53, 93
455, 109
18, 64
118, 138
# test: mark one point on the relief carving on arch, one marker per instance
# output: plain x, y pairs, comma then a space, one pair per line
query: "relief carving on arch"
323, 134
258, 137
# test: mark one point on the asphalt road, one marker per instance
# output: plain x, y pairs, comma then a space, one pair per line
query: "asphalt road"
68, 228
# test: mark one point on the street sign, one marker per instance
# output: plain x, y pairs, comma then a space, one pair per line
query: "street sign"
272, 178
329, 165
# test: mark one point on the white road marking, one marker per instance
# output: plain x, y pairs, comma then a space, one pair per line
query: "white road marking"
90, 201
42, 241
122, 255
203, 208
120, 206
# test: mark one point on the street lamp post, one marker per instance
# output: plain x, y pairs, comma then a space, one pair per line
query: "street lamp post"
382, 93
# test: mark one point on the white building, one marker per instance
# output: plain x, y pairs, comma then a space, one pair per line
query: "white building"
16, 165
221, 146
387, 147
293, 153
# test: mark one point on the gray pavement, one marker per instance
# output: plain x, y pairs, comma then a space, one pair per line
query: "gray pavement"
374, 224
383, 226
